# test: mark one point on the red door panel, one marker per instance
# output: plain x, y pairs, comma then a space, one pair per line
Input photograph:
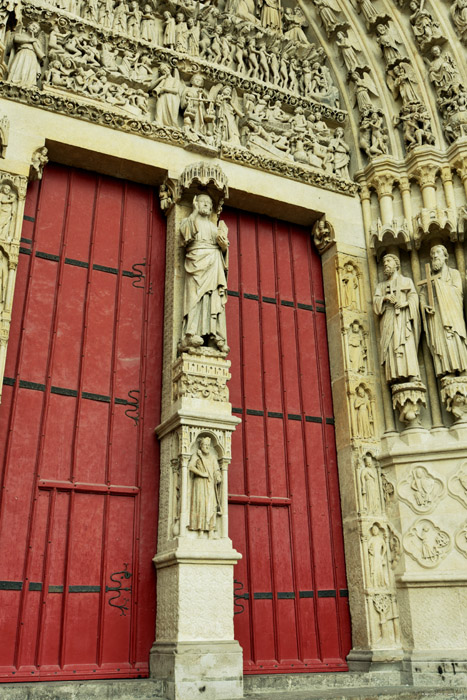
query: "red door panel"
79, 460
290, 590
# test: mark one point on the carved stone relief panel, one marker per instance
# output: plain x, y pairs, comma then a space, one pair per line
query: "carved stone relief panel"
427, 543
217, 81
362, 403
421, 489
385, 607
369, 489
377, 556
201, 377
457, 483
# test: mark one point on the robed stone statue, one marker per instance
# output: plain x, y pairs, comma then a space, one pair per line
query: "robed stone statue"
442, 303
206, 265
396, 303
206, 476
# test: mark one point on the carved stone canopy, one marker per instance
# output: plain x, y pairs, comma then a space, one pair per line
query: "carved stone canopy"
196, 178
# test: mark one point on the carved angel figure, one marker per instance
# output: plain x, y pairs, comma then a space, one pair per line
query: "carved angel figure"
295, 21
401, 79
206, 476
341, 151
206, 265
327, 11
389, 42
363, 86
198, 109
26, 57
425, 28
348, 51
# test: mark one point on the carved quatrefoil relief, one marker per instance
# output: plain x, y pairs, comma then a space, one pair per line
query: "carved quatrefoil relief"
457, 483
421, 490
427, 543
461, 539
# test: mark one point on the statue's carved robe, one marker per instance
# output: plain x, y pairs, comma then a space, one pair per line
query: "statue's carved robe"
206, 281
400, 328
205, 502
447, 337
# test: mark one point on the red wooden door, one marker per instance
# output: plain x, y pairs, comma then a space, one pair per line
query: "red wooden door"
291, 598
78, 455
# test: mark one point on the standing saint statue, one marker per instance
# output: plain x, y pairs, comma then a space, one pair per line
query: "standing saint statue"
447, 335
396, 302
7, 211
206, 475
206, 265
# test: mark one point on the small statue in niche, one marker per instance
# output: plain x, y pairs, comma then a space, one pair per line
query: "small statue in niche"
350, 289
206, 265
357, 348
369, 486
396, 302
364, 422
205, 499
377, 549
7, 212
38, 162
323, 235
442, 305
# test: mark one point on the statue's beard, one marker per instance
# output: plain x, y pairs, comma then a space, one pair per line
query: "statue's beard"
436, 265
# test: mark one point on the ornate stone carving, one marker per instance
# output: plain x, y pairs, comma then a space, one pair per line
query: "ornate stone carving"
457, 483
323, 235
395, 548
427, 543
356, 344
25, 59
38, 162
205, 503
394, 233
397, 304
442, 305
416, 125
388, 489
408, 398
206, 266
440, 221
201, 378
350, 286
388, 619
373, 133
454, 396
426, 29
368, 477
421, 489
363, 413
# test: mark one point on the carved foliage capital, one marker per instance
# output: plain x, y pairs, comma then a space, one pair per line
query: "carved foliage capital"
383, 184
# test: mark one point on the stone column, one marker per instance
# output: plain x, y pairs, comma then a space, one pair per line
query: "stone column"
194, 652
12, 197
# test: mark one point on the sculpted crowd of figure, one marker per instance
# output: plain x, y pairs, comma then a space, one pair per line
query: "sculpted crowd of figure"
268, 46
440, 300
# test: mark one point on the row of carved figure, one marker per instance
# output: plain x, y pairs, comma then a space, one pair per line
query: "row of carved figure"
95, 70
289, 61
308, 77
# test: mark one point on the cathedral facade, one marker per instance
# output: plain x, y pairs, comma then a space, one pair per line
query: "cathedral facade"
233, 345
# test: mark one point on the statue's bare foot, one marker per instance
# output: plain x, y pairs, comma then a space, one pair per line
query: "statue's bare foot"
222, 346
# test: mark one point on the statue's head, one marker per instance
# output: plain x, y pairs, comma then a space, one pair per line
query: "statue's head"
6, 189
391, 263
439, 256
205, 445
203, 203
197, 80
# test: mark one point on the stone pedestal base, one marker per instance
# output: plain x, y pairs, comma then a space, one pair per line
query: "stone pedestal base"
387, 660
193, 670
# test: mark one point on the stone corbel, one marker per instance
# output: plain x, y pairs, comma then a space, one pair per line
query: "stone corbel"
38, 162
12, 197
324, 236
